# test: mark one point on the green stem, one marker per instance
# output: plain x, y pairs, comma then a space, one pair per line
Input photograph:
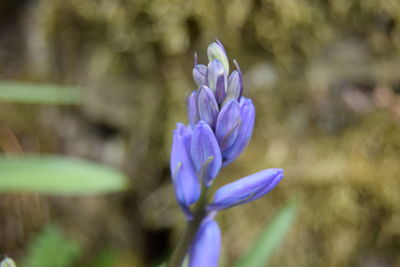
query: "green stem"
185, 240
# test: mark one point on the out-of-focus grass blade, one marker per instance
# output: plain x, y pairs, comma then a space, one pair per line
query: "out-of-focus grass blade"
51, 248
57, 175
269, 239
18, 92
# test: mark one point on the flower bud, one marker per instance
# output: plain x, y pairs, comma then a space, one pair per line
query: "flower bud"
217, 80
207, 106
235, 87
247, 115
7, 262
228, 125
246, 189
186, 184
193, 113
205, 152
217, 51
200, 74
206, 246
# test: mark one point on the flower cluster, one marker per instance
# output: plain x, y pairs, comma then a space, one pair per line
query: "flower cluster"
221, 125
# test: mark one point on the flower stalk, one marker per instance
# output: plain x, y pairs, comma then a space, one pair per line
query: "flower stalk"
181, 249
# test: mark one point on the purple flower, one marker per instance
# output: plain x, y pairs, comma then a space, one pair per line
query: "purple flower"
193, 113
235, 87
228, 125
207, 106
247, 116
246, 189
217, 79
205, 152
200, 74
186, 184
205, 249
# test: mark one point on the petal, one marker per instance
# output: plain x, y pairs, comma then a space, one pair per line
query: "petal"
217, 79
207, 106
200, 74
217, 51
193, 113
205, 152
247, 114
246, 189
186, 184
235, 87
206, 247
228, 125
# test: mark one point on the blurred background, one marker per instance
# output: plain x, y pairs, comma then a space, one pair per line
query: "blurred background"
325, 80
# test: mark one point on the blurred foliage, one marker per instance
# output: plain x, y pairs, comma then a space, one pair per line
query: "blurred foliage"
57, 175
16, 92
324, 76
51, 248
260, 253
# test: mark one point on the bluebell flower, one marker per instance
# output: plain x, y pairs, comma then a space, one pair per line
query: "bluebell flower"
207, 106
205, 249
217, 79
228, 125
184, 177
205, 152
246, 189
193, 113
247, 118
200, 74
235, 85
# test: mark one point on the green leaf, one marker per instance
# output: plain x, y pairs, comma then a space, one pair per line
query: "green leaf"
18, 92
269, 239
57, 175
50, 248
106, 258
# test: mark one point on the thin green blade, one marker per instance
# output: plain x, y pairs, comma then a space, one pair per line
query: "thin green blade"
57, 175
260, 254
18, 92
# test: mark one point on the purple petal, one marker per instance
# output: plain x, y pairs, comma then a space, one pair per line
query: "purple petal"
193, 113
216, 51
235, 87
228, 125
205, 152
217, 80
200, 74
186, 184
246, 189
241, 78
247, 112
207, 106
206, 246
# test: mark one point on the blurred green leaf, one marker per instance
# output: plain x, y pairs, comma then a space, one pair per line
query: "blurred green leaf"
58, 175
269, 239
106, 258
50, 248
18, 92
7, 262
